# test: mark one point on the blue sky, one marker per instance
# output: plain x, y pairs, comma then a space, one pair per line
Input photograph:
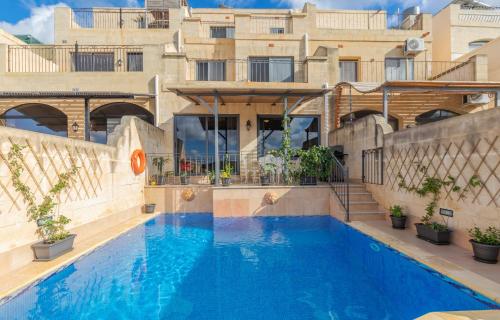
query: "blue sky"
35, 16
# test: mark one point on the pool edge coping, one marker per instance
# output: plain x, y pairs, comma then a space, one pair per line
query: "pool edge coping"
66, 260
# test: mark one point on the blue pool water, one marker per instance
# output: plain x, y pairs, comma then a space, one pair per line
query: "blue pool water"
193, 267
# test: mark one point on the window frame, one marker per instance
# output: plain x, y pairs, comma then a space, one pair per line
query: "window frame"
358, 68
130, 54
210, 65
77, 67
277, 30
267, 60
407, 75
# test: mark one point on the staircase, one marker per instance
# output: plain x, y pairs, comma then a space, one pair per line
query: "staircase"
362, 206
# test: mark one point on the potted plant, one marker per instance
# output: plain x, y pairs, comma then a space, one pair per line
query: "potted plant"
266, 170
185, 169
397, 217
50, 225
485, 244
159, 163
211, 176
149, 207
225, 174
434, 232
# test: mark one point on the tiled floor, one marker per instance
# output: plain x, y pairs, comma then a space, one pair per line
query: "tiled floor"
451, 260
15, 281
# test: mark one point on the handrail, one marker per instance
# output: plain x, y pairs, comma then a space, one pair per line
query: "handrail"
339, 180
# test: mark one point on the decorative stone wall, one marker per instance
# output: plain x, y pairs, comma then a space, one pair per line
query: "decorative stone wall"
104, 193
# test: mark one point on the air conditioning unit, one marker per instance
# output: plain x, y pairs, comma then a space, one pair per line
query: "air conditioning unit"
414, 45
476, 99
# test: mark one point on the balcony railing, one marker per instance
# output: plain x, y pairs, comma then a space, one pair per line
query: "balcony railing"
260, 69
380, 71
119, 18
480, 16
271, 24
77, 58
367, 20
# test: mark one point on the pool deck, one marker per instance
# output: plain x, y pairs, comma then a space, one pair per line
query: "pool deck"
451, 261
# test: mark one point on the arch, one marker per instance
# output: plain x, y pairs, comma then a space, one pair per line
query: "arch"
37, 117
356, 115
435, 115
104, 119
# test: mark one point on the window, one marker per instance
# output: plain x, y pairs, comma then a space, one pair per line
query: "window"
211, 70
398, 69
434, 115
37, 117
277, 30
271, 69
348, 71
194, 135
477, 44
134, 62
93, 62
222, 32
304, 132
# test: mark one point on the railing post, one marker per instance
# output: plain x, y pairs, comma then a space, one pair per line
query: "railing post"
121, 20
346, 181
76, 62
363, 156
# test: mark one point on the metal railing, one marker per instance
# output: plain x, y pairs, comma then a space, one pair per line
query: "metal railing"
271, 24
119, 18
253, 70
367, 20
76, 58
339, 181
372, 170
407, 69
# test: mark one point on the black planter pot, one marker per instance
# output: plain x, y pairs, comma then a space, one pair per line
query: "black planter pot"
265, 180
426, 233
398, 222
49, 251
485, 252
308, 181
226, 182
185, 180
149, 208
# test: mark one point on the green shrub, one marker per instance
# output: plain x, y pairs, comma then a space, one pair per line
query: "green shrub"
490, 236
396, 211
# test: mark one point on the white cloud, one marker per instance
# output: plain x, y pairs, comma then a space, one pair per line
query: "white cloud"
39, 24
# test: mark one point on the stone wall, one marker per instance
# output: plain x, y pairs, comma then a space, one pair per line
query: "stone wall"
461, 147
105, 191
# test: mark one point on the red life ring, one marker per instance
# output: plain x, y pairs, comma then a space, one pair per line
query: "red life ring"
138, 161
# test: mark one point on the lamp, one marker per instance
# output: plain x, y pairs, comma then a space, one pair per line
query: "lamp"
75, 126
119, 62
249, 125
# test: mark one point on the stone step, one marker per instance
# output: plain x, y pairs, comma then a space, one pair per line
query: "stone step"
359, 196
366, 215
364, 206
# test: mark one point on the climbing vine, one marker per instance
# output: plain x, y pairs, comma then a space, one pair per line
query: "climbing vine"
50, 227
433, 186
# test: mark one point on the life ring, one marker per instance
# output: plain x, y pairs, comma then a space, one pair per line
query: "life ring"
138, 161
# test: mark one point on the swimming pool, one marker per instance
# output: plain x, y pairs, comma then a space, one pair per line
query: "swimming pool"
194, 267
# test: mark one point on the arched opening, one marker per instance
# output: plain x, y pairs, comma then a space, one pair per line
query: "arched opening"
37, 117
104, 119
434, 115
353, 116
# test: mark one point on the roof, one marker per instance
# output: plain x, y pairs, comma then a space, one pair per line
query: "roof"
28, 38
249, 94
461, 87
72, 94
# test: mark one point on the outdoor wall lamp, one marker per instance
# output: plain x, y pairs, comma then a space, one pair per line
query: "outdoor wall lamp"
75, 126
249, 125
119, 62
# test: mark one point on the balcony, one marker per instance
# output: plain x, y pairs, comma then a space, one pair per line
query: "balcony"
367, 20
77, 58
271, 24
255, 69
395, 69
475, 17
119, 18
